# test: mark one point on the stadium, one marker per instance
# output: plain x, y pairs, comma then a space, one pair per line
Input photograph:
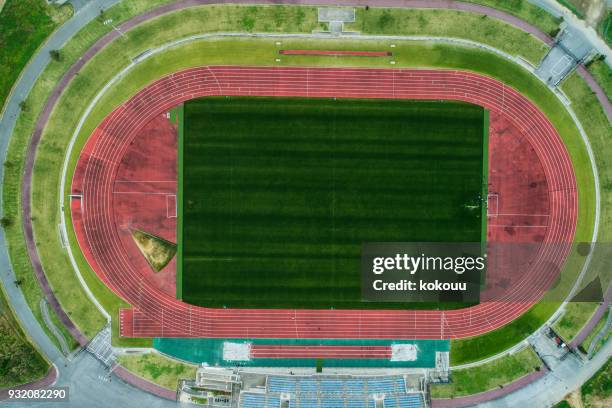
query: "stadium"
157, 314
197, 202
92, 191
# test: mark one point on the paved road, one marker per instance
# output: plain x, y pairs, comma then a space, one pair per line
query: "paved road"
84, 374
90, 386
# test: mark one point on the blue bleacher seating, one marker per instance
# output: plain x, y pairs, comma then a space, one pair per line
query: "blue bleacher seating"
250, 400
309, 403
332, 402
329, 392
380, 385
309, 385
281, 384
336, 386
410, 401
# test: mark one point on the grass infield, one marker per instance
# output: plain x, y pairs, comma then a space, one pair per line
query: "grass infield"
280, 193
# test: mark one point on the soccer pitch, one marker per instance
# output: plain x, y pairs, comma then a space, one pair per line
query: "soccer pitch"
278, 194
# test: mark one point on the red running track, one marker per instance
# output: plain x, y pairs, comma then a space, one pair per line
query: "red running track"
342, 352
155, 314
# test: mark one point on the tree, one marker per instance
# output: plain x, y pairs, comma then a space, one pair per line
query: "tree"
6, 222
55, 55
23, 105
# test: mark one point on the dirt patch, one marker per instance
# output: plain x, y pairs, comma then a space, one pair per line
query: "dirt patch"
157, 251
591, 10
575, 399
595, 12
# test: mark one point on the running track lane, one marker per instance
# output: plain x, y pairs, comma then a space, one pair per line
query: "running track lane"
341, 352
155, 314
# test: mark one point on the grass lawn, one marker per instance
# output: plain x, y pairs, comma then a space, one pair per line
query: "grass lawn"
119, 53
596, 125
158, 369
280, 193
488, 376
575, 316
597, 392
603, 75
598, 327
525, 10
24, 26
20, 362
475, 348
447, 23
604, 28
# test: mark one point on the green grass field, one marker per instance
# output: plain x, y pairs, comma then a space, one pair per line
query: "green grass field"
593, 334
488, 376
280, 193
603, 75
20, 362
158, 369
24, 26
575, 316
597, 392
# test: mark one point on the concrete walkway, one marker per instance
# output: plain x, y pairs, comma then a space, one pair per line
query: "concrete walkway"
89, 382
44, 309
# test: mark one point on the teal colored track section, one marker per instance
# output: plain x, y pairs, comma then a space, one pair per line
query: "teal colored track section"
210, 351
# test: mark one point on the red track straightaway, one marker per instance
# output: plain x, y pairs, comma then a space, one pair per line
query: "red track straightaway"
156, 314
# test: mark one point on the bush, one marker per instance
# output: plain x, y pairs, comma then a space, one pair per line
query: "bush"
55, 55
19, 361
6, 222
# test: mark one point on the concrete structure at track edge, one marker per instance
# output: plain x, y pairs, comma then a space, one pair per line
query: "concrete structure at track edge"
153, 52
